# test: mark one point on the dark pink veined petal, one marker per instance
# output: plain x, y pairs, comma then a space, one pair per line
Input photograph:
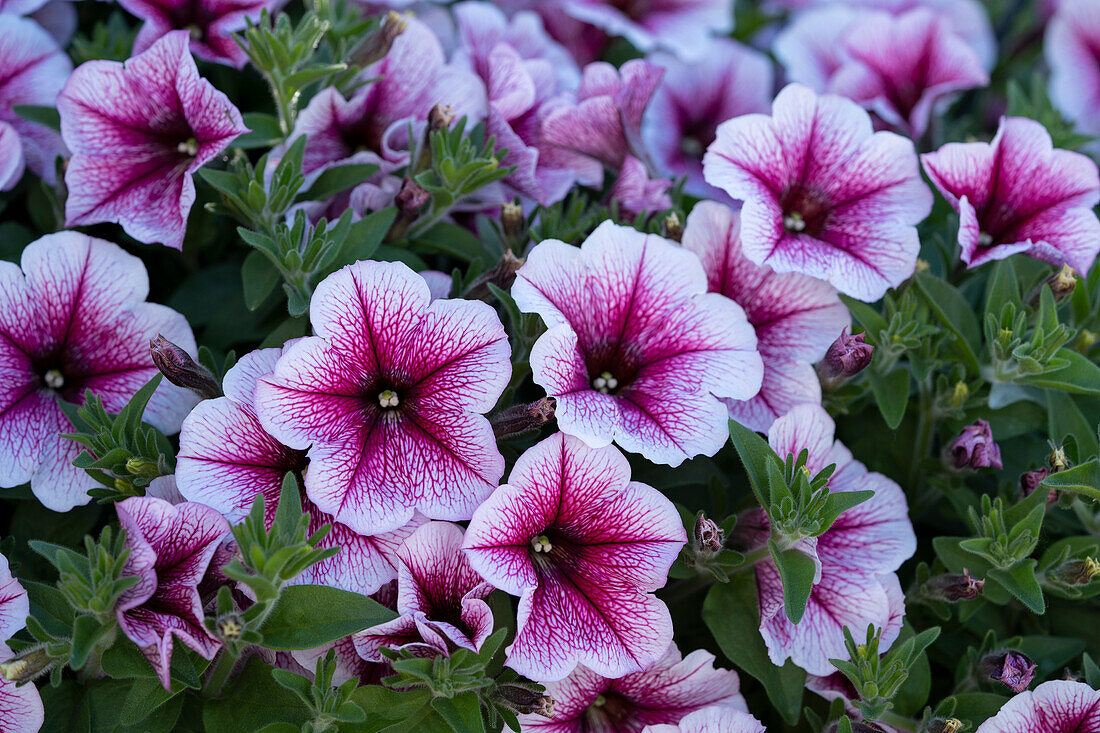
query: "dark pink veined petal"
364, 563
673, 24
806, 427
21, 709
401, 633
1056, 705
787, 384
154, 632
434, 573
14, 604
212, 21
874, 536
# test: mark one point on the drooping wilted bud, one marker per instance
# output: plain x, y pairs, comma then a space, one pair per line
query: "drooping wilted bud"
440, 117
951, 725
511, 219
849, 355
520, 419
1062, 283
180, 369
953, 588
674, 228
1077, 572
1030, 480
708, 537
974, 447
375, 46
1009, 667
525, 699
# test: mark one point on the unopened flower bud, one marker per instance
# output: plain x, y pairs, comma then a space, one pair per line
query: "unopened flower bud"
525, 700
26, 666
140, 466
674, 228
411, 199
1061, 284
1030, 480
440, 117
1058, 460
230, 627
954, 588
180, 369
1078, 572
1086, 339
511, 219
1009, 667
520, 419
849, 355
708, 537
958, 394
378, 44
975, 447
951, 725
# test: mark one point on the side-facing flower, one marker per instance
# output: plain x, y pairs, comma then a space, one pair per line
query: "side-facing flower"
1052, 707
209, 23
681, 26
637, 351
1072, 38
391, 392
138, 131
857, 555
900, 67
712, 720
583, 547
666, 692
823, 194
634, 191
1009, 667
33, 68
227, 459
170, 551
695, 97
74, 319
1020, 194
21, 709
976, 448
440, 597
795, 316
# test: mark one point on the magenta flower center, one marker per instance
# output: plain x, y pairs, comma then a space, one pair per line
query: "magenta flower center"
697, 135
633, 9
612, 367
805, 211
193, 16
609, 710
56, 373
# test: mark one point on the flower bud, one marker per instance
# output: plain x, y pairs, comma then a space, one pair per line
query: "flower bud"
140, 466
708, 537
1077, 572
180, 369
959, 394
1062, 283
511, 219
411, 199
1009, 667
953, 588
848, 356
440, 117
975, 447
502, 275
230, 627
520, 419
1058, 460
674, 228
1086, 339
375, 47
951, 725
525, 700
26, 666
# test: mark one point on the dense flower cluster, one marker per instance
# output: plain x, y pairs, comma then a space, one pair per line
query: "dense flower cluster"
552, 316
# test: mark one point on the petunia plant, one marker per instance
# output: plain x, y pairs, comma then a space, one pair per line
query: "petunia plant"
576, 366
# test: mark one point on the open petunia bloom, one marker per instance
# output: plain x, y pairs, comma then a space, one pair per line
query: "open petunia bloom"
440, 597
170, 551
695, 97
75, 318
823, 194
21, 709
900, 67
637, 350
391, 392
138, 131
796, 317
33, 68
1057, 706
227, 459
665, 692
857, 556
681, 26
1019, 194
210, 24
1071, 45
583, 547
711, 720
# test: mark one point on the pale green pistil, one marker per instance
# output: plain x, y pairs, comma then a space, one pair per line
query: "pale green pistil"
388, 398
189, 147
794, 223
541, 544
54, 379
605, 383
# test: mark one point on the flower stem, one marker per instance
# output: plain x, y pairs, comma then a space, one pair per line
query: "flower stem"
215, 681
926, 424
897, 721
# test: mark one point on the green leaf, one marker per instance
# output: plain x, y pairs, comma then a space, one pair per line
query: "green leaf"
1082, 479
871, 320
891, 392
259, 276
1003, 288
956, 314
755, 455
364, 237
264, 131
145, 696
839, 502
308, 616
86, 632
49, 607
1091, 670
1079, 376
47, 116
252, 700
796, 570
336, 179
462, 712
1020, 581
453, 240
1064, 418
730, 612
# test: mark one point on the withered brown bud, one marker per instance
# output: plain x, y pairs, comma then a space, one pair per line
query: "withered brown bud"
501, 275
440, 117
376, 45
520, 419
1078, 572
954, 588
180, 369
411, 199
674, 228
511, 219
525, 700
708, 538
1010, 667
26, 666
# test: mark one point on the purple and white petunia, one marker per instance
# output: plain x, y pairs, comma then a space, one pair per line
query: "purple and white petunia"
1071, 45
667, 692
210, 24
824, 195
440, 597
171, 548
634, 191
857, 556
227, 459
637, 351
33, 68
391, 393
583, 547
21, 709
902, 67
796, 317
75, 318
680, 26
1020, 194
711, 720
694, 98
1057, 706
138, 131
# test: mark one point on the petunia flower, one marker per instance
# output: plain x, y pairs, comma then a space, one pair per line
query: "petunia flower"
1052, 707
75, 318
796, 317
729, 80
584, 42
33, 68
1070, 47
21, 709
138, 131
711, 720
681, 26
975, 447
823, 194
857, 556
391, 392
171, 548
903, 67
1019, 194
583, 547
227, 459
209, 23
667, 691
634, 191
440, 597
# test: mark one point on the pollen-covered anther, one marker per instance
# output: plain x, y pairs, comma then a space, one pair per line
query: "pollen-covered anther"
190, 146
794, 223
605, 383
541, 544
388, 399
54, 379
985, 239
